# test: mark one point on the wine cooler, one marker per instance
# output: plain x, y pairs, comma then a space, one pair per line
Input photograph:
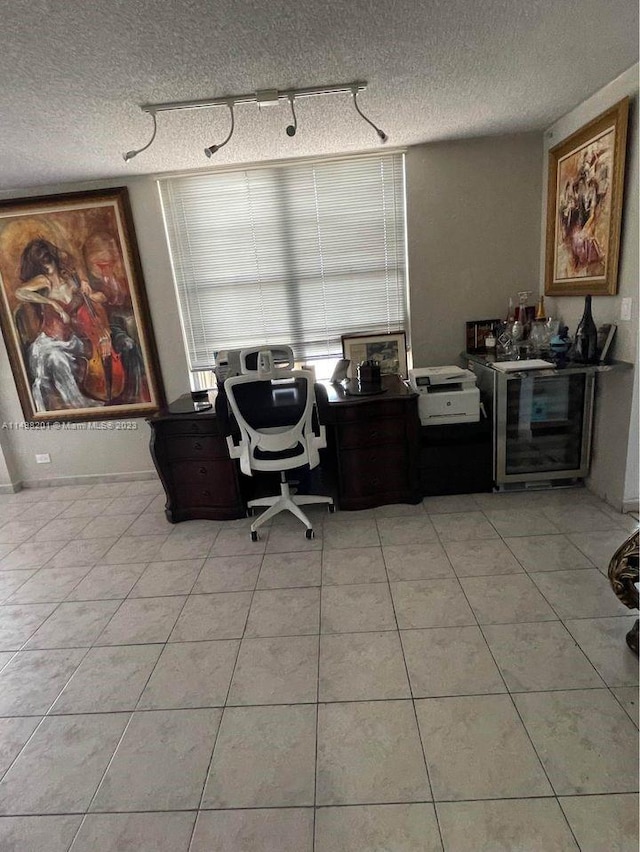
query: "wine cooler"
542, 424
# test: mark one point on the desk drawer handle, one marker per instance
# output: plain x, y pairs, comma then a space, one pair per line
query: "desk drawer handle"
373, 433
197, 445
206, 493
195, 427
203, 471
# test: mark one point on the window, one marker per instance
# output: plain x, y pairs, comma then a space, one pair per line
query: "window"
296, 253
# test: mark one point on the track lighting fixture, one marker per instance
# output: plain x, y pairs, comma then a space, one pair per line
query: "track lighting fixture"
383, 136
291, 129
215, 148
131, 154
266, 97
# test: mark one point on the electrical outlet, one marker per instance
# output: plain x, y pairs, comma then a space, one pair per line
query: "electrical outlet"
625, 308
43, 458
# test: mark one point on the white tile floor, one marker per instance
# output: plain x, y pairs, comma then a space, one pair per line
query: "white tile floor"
448, 676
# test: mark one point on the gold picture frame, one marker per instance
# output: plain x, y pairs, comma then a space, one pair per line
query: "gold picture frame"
584, 207
73, 308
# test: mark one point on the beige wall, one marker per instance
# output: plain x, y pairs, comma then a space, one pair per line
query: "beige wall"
473, 213
614, 472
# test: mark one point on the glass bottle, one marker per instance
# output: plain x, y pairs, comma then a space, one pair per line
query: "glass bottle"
520, 325
540, 312
585, 344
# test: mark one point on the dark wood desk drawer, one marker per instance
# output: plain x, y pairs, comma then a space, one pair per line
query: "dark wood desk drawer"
371, 473
371, 433
203, 447
374, 410
192, 426
204, 484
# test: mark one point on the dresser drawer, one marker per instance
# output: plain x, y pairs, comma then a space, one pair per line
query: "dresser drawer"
371, 433
188, 426
373, 410
204, 483
203, 447
374, 472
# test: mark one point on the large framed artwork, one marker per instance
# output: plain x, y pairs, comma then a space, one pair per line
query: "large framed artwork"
73, 308
387, 350
584, 207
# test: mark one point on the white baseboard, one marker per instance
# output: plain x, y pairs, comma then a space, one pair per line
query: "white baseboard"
11, 488
90, 479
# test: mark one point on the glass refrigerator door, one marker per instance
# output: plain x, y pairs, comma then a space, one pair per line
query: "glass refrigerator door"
546, 426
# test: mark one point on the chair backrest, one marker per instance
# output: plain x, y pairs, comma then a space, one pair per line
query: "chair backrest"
258, 358
274, 415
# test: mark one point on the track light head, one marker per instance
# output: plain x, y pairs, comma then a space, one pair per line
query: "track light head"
213, 149
382, 135
291, 129
131, 154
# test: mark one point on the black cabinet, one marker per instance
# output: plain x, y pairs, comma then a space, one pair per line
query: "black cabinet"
456, 458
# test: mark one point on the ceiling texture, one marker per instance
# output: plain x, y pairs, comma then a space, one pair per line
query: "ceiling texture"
74, 74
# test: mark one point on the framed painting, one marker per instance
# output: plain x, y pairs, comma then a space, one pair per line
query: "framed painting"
388, 350
73, 308
584, 207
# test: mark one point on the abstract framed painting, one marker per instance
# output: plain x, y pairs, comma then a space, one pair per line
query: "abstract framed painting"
584, 207
73, 308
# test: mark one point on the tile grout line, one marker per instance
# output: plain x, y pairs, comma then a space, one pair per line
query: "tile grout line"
224, 707
317, 730
524, 727
513, 704
413, 701
131, 715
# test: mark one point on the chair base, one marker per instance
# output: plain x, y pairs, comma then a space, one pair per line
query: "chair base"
286, 501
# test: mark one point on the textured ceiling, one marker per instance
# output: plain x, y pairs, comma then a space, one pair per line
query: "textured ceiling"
72, 76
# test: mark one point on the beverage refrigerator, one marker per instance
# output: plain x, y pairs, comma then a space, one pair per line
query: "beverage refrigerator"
542, 423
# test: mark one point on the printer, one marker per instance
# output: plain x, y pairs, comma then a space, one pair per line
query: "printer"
447, 395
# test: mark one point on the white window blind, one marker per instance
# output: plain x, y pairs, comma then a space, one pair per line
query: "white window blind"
298, 253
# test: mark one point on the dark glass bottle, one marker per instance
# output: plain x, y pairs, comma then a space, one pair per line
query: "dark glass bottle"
585, 346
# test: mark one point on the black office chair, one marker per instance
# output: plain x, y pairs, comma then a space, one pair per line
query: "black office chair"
274, 412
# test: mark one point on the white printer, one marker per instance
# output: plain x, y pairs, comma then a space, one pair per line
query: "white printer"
447, 395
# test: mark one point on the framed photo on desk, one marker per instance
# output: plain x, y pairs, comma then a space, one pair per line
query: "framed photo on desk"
388, 350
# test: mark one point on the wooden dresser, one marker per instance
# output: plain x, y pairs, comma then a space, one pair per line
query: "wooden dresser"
191, 456
375, 442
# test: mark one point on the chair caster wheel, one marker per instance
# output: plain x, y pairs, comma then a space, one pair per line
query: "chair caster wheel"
254, 535
331, 508
309, 533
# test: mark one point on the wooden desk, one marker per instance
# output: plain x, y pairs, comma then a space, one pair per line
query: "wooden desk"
375, 443
373, 451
